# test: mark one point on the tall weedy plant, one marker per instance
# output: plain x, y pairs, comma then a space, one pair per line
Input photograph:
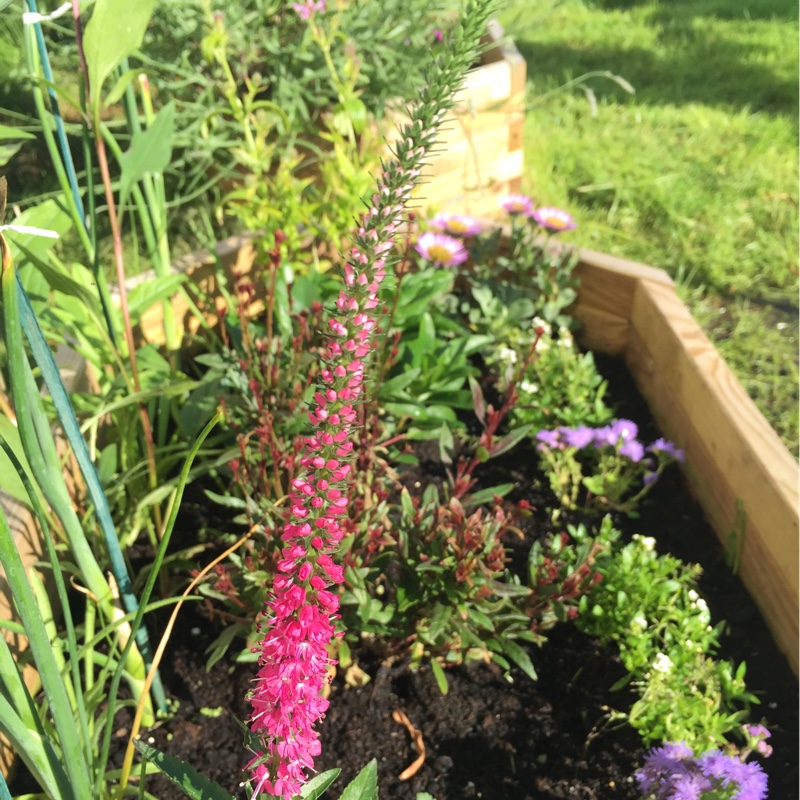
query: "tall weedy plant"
302, 609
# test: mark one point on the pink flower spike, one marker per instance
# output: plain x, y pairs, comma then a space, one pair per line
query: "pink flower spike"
518, 204
554, 219
442, 249
456, 224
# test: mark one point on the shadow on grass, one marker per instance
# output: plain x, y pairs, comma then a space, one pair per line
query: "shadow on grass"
712, 72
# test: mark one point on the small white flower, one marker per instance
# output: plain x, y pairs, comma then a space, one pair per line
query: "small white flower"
693, 595
649, 543
638, 624
527, 386
540, 324
543, 344
507, 354
701, 604
689, 643
662, 663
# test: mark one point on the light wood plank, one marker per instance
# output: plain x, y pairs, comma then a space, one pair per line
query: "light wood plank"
733, 457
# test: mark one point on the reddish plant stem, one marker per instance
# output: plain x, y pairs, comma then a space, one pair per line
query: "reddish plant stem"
102, 160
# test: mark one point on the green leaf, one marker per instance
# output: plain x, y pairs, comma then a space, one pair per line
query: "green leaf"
355, 109
486, 495
11, 482
183, 775
439, 619
365, 785
520, 658
316, 787
441, 678
407, 504
150, 150
114, 32
511, 439
120, 86
149, 292
10, 143
48, 216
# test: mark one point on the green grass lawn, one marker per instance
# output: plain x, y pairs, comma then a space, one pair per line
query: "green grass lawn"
696, 172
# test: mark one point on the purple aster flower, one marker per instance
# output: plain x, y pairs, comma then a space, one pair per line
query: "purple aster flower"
442, 249
624, 429
579, 437
632, 449
549, 439
715, 764
456, 224
554, 219
518, 204
689, 787
604, 436
752, 782
650, 478
664, 446
438, 35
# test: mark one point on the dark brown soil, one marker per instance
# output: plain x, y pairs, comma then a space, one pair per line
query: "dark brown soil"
488, 738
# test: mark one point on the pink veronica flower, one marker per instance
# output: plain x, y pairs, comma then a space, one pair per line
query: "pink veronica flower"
554, 219
456, 224
301, 610
307, 9
442, 249
518, 204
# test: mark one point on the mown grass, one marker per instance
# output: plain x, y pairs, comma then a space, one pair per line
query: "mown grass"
695, 173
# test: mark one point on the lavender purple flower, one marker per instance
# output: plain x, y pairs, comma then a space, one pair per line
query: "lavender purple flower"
673, 772
610, 462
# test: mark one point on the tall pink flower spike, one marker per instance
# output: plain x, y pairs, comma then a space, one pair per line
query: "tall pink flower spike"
300, 613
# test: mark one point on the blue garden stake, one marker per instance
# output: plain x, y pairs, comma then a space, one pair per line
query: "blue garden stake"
66, 155
52, 378
4, 793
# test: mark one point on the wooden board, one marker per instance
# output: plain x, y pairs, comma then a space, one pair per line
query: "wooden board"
736, 465
478, 157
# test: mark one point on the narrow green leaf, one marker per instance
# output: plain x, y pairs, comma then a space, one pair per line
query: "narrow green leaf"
441, 678
511, 439
486, 495
520, 658
183, 775
120, 86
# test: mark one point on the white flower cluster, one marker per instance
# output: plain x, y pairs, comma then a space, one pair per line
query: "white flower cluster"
507, 355
662, 663
647, 542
